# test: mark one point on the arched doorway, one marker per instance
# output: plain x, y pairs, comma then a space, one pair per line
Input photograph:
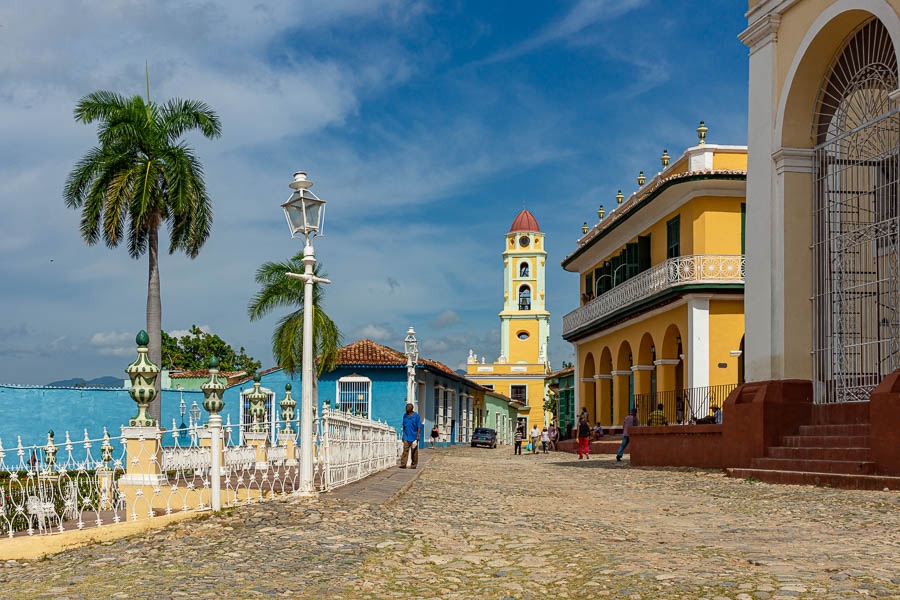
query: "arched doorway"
605, 388
856, 177
588, 398
623, 383
671, 375
645, 378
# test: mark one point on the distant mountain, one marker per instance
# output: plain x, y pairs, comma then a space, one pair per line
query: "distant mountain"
98, 382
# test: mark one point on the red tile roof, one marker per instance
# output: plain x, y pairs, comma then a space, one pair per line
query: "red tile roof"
369, 353
205, 373
524, 221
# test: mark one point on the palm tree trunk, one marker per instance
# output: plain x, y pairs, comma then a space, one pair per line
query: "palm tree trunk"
154, 313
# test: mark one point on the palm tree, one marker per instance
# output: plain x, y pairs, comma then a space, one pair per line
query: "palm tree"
280, 291
140, 176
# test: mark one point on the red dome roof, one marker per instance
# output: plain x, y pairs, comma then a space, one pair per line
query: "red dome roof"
525, 221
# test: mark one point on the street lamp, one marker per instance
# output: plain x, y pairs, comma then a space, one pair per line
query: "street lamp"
182, 408
305, 214
411, 347
195, 420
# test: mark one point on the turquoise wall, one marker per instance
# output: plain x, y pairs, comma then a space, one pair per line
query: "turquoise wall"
29, 411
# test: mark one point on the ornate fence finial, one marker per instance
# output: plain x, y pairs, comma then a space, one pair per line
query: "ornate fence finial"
287, 409
214, 388
257, 400
143, 375
50, 452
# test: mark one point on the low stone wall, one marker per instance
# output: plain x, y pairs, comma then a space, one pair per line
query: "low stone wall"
677, 446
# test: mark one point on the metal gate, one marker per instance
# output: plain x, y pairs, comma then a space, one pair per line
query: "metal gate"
855, 219
855, 253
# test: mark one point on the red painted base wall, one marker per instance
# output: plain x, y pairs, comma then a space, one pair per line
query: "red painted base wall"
677, 446
757, 415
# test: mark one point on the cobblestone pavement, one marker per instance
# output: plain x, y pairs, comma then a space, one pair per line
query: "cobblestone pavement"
482, 523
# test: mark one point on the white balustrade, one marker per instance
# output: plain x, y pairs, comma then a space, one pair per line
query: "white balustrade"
674, 272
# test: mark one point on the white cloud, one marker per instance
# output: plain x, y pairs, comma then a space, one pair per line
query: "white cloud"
179, 333
583, 14
111, 338
445, 319
378, 333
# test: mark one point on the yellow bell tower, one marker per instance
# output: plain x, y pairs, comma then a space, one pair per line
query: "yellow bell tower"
524, 320
524, 325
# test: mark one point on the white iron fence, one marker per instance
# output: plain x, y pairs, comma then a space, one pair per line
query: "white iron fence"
146, 472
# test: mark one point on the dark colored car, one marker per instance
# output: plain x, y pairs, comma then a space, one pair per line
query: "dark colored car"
482, 436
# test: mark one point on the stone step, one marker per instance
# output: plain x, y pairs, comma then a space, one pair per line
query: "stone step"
826, 441
815, 466
835, 480
817, 453
824, 430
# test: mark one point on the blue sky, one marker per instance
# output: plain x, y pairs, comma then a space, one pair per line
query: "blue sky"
424, 124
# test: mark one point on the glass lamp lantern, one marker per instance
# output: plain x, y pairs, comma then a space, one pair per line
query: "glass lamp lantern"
304, 211
411, 346
195, 413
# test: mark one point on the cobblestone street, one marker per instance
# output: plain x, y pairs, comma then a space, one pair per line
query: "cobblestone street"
483, 523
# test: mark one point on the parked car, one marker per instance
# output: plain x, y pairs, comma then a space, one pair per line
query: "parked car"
482, 436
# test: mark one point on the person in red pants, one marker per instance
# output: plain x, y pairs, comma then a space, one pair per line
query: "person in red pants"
584, 438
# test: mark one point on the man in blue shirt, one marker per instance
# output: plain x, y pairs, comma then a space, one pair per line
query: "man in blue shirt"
412, 428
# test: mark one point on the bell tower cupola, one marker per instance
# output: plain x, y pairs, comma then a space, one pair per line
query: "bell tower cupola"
524, 320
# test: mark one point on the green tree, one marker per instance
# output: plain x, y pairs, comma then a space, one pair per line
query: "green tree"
277, 290
566, 364
191, 351
139, 176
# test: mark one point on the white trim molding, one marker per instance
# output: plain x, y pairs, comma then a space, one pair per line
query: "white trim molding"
587, 380
621, 372
606, 376
666, 361
793, 160
761, 32
643, 368
736, 352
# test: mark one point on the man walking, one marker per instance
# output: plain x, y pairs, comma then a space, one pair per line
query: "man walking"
518, 440
583, 437
535, 438
630, 421
412, 429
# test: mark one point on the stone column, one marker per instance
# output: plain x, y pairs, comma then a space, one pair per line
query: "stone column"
287, 437
620, 396
604, 401
642, 387
665, 382
213, 390
143, 479
258, 437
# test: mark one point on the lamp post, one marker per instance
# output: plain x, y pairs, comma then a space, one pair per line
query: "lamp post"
411, 346
182, 408
305, 214
195, 420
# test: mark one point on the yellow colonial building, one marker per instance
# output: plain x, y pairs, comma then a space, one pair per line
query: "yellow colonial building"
661, 316
524, 324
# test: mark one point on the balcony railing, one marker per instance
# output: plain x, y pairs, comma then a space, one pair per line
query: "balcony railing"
681, 270
686, 406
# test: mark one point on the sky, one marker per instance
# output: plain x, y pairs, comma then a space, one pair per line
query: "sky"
425, 125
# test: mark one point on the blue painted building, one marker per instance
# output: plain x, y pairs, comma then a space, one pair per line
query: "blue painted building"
370, 380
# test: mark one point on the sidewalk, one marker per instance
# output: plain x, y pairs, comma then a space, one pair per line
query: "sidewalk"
384, 486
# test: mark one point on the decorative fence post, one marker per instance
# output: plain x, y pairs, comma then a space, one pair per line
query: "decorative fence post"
143, 477
258, 437
212, 392
287, 437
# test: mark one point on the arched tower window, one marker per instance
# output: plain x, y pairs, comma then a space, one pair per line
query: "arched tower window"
524, 298
523, 269
856, 275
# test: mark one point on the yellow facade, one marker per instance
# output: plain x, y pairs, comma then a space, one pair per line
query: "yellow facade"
672, 324
524, 323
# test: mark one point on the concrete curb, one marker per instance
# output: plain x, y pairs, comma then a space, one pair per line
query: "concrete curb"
399, 493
